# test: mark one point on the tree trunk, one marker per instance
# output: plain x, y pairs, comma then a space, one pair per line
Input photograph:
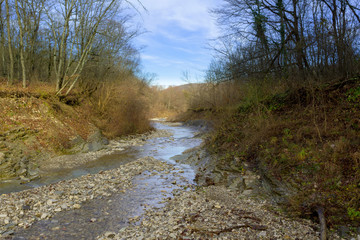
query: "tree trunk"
299, 42
11, 57
2, 41
22, 59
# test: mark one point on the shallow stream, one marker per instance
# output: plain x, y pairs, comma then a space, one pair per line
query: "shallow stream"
112, 213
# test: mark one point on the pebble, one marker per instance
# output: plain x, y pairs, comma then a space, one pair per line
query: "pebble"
205, 213
77, 206
45, 201
109, 234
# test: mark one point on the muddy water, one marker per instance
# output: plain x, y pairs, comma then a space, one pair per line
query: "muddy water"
112, 213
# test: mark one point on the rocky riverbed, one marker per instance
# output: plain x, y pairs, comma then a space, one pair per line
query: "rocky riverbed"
153, 197
22, 209
83, 157
215, 212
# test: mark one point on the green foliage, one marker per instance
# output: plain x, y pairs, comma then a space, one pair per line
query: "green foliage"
353, 213
353, 95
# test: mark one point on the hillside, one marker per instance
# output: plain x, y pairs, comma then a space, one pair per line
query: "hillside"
34, 128
37, 125
303, 142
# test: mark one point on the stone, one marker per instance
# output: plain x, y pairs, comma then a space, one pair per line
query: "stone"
77, 140
77, 206
33, 172
172, 235
25, 207
8, 233
74, 192
95, 142
22, 171
59, 193
51, 201
237, 184
24, 180
109, 234
262, 234
247, 192
44, 215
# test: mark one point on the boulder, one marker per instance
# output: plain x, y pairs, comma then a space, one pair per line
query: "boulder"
95, 142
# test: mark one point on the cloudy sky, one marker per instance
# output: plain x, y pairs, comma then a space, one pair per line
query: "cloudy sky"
177, 38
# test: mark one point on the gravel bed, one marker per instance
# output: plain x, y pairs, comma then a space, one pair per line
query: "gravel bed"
22, 209
118, 145
215, 213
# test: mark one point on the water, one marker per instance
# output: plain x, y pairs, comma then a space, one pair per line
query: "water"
103, 163
112, 213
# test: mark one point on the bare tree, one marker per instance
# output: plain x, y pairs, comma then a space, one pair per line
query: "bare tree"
11, 62
273, 37
53, 40
2, 40
21, 32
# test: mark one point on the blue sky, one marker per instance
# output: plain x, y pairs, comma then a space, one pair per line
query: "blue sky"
177, 38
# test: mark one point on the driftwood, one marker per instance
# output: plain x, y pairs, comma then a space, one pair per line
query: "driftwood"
320, 212
229, 229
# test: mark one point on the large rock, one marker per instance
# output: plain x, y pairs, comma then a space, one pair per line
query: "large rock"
277, 190
95, 142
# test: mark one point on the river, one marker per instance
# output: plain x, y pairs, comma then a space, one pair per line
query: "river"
113, 213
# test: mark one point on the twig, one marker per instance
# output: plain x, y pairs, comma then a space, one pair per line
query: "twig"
229, 229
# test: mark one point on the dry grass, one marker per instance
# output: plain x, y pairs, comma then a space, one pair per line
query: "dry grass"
122, 108
116, 108
308, 137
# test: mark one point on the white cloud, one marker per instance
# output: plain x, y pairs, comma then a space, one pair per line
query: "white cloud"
149, 57
177, 37
190, 15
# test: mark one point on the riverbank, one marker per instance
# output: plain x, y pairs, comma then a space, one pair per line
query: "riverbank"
302, 141
174, 208
70, 161
37, 126
22, 209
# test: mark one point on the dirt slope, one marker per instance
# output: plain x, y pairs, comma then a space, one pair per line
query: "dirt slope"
35, 127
